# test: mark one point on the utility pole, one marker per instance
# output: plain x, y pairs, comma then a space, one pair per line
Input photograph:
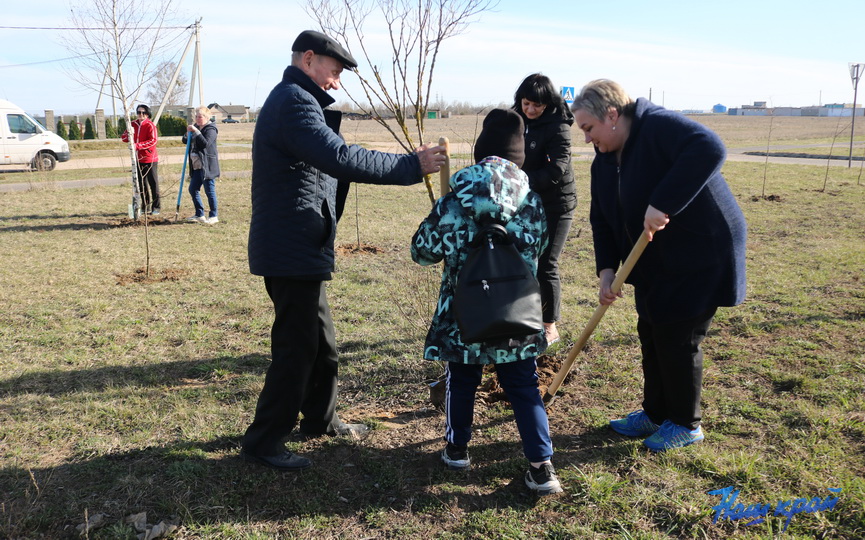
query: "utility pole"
196, 68
855, 73
194, 39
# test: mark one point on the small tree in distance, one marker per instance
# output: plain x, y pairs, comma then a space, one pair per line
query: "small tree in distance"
110, 131
160, 80
74, 131
61, 130
88, 129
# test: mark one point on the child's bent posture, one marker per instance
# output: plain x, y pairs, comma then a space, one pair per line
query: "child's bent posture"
493, 190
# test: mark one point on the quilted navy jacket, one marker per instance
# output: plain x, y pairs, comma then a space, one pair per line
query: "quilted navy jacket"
297, 155
698, 261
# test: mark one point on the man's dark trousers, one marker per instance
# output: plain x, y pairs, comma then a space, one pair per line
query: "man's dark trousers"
302, 377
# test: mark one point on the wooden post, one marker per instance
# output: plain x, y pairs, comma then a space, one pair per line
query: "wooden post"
445, 171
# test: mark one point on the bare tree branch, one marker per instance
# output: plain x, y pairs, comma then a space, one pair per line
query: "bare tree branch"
416, 30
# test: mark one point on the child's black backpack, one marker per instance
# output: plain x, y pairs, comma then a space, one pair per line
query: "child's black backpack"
496, 296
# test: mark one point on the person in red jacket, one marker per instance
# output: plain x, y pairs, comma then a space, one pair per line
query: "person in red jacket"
148, 159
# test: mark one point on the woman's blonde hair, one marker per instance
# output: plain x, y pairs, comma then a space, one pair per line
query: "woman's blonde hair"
598, 96
205, 111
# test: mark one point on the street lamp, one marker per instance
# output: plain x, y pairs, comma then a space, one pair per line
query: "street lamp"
856, 71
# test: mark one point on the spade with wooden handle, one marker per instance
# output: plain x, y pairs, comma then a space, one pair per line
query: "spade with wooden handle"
621, 276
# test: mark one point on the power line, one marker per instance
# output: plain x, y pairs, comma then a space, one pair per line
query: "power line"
94, 27
48, 61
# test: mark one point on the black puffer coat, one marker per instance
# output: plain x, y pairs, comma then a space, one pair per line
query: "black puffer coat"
297, 155
548, 159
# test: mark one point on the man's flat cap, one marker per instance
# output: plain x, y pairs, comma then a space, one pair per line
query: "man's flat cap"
310, 40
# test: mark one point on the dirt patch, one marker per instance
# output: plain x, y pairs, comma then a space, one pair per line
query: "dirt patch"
156, 276
126, 222
770, 198
357, 249
490, 391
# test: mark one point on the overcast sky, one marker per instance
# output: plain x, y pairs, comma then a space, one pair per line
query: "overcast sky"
688, 54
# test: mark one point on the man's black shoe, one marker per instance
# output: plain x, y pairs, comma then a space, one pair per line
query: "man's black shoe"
285, 461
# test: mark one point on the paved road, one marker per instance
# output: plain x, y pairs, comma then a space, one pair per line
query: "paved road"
579, 153
105, 162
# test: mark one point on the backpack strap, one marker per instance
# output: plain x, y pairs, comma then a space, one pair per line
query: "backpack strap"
494, 231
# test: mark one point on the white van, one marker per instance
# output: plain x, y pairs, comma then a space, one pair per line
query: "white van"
24, 141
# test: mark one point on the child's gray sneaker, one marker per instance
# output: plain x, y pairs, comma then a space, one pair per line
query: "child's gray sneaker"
456, 458
543, 480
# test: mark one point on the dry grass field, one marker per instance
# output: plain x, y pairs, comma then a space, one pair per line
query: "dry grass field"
123, 397
736, 131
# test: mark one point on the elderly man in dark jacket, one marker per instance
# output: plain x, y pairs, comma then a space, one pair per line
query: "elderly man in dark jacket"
297, 157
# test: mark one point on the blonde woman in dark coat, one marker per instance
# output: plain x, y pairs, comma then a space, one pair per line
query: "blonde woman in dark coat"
658, 173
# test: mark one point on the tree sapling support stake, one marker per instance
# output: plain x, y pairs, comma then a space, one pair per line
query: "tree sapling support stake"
182, 175
621, 276
445, 171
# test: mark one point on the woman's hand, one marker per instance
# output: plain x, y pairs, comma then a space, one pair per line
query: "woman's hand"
654, 221
605, 290
191, 128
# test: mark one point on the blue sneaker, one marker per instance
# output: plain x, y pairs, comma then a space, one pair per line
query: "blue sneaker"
636, 424
673, 436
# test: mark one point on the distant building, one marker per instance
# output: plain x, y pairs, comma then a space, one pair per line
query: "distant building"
830, 109
719, 109
786, 111
235, 112
835, 110
757, 109
746, 111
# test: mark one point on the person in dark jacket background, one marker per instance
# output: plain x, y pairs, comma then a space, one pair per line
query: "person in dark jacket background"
297, 156
494, 190
548, 165
204, 168
657, 170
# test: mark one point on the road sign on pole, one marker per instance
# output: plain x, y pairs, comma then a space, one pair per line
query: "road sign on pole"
568, 94
856, 71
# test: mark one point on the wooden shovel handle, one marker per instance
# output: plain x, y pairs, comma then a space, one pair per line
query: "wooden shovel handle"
616, 287
445, 171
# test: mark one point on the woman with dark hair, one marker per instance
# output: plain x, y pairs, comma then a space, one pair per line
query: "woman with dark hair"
148, 159
548, 166
656, 170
